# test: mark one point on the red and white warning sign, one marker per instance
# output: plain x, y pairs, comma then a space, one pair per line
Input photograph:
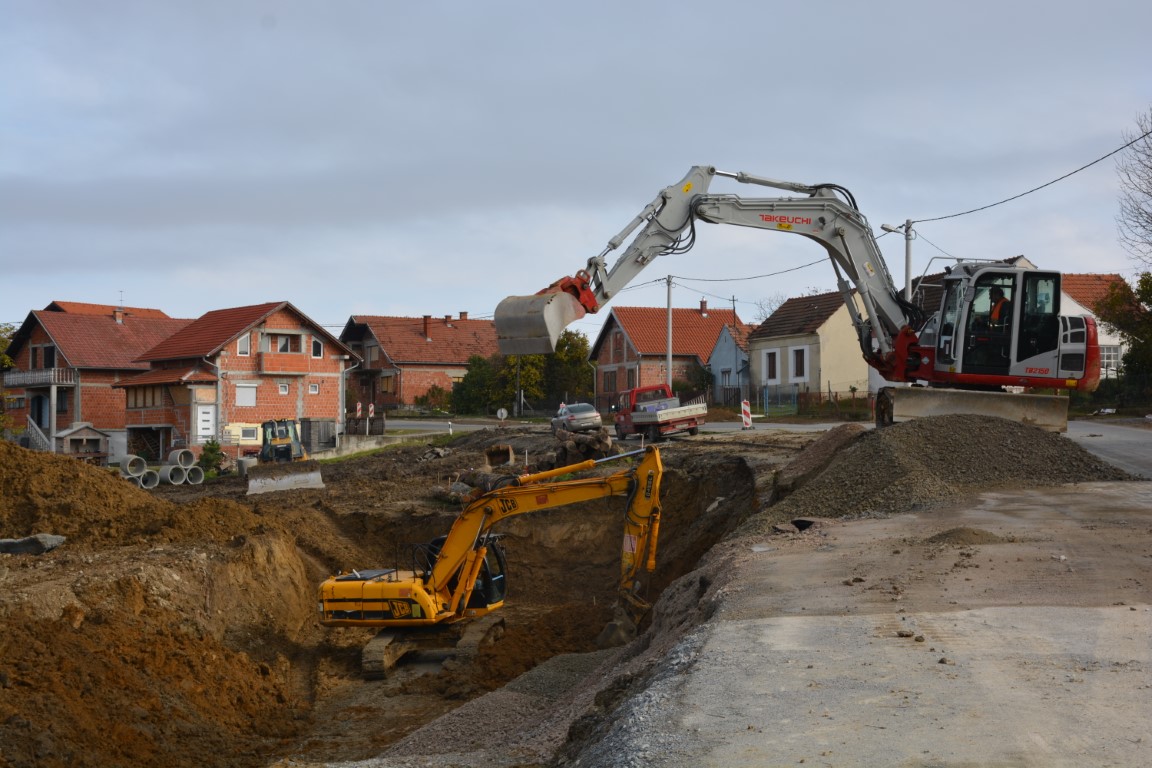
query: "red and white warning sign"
359, 410
746, 414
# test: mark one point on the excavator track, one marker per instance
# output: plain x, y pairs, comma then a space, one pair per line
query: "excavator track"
383, 652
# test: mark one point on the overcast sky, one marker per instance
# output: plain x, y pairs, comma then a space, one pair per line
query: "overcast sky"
357, 157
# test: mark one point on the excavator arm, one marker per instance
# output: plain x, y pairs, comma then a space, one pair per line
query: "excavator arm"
531, 324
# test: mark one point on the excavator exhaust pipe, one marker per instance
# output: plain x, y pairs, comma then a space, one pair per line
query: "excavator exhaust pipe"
530, 325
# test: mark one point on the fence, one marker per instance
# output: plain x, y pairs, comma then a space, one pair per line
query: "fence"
777, 401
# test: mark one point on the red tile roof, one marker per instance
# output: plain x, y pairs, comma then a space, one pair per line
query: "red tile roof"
1088, 290
694, 331
80, 308
430, 341
212, 331
98, 341
170, 376
799, 316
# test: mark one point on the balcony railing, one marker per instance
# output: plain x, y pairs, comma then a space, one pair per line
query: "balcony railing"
285, 363
41, 377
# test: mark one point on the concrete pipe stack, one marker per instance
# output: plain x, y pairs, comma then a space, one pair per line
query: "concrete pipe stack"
179, 468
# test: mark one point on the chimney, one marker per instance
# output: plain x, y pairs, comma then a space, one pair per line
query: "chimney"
704, 307
427, 328
118, 315
463, 315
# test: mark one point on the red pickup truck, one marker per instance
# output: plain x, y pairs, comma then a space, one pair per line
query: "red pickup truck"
654, 412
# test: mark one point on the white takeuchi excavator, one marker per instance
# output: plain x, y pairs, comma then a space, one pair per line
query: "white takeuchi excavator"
958, 359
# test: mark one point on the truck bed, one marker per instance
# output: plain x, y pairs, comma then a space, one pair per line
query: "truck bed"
670, 414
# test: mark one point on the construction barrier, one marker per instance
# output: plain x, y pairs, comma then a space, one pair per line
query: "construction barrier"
746, 414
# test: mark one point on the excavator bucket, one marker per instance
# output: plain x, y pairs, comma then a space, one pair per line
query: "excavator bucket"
1048, 412
530, 325
287, 476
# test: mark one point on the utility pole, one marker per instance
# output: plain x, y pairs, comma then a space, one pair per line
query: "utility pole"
907, 230
669, 360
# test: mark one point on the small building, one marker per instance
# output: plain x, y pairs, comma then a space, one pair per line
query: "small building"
404, 358
808, 345
631, 349
729, 365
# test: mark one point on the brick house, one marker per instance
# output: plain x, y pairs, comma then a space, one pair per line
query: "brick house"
807, 345
631, 349
69, 358
404, 357
224, 373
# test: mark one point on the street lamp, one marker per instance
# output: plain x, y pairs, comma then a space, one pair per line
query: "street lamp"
906, 228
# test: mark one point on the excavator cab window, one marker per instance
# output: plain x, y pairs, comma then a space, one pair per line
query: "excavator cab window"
1040, 314
990, 324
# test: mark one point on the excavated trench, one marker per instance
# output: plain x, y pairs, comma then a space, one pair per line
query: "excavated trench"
178, 627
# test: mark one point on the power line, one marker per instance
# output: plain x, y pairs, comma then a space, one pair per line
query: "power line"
1035, 189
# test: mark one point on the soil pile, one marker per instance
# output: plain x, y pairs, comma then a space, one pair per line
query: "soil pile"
918, 463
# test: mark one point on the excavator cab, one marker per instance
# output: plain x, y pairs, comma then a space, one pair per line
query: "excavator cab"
491, 585
997, 324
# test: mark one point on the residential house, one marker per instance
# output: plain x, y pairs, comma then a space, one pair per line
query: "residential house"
405, 357
808, 345
729, 365
69, 358
224, 373
1080, 295
631, 349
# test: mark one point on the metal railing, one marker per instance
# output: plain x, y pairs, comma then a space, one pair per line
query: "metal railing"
41, 377
37, 440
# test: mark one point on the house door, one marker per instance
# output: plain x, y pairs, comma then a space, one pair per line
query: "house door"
38, 409
205, 423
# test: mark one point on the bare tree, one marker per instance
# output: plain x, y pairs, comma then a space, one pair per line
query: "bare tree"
1135, 169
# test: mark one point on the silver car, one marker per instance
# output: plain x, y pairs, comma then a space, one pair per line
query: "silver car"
577, 417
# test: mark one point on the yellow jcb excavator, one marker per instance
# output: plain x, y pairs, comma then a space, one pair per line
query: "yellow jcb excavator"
457, 581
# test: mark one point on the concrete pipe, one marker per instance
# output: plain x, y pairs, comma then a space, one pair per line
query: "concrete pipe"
134, 480
194, 475
150, 479
132, 466
183, 457
172, 474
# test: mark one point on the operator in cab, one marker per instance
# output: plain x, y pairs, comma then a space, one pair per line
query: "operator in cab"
1001, 314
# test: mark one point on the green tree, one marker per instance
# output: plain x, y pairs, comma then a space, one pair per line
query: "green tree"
211, 457
476, 392
436, 398
528, 371
567, 372
1128, 311
7, 330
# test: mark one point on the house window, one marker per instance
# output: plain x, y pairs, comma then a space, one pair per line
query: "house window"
609, 381
246, 395
283, 389
799, 364
244, 345
631, 378
62, 401
1109, 361
249, 433
34, 358
313, 389
772, 366
726, 378
286, 343
317, 348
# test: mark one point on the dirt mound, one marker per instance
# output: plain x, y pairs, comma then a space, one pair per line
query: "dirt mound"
926, 461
